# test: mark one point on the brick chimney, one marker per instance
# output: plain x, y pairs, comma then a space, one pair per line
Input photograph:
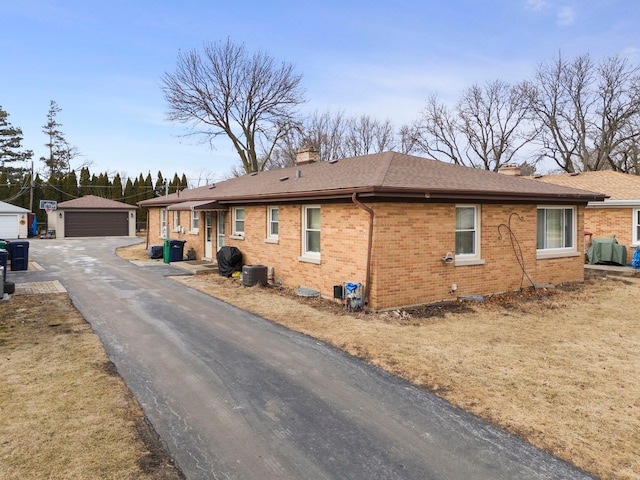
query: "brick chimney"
307, 154
512, 170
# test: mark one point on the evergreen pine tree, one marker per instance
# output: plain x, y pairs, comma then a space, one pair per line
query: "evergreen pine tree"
60, 152
84, 188
12, 159
174, 186
160, 188
116, 188
71, 185
129, 193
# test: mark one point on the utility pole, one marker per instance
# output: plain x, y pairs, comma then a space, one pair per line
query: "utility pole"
31, 183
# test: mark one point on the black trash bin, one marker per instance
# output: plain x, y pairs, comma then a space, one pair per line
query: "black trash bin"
4, 260
19, 252
176, 250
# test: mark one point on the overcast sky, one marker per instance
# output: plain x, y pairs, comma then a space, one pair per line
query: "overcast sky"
102, 61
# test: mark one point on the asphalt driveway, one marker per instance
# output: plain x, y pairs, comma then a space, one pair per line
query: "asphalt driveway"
237, 397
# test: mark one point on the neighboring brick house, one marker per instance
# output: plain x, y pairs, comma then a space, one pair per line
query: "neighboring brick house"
618, 214
412, 230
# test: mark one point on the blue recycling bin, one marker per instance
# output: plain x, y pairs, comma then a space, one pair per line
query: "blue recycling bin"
4, 260
176, 250
19, 252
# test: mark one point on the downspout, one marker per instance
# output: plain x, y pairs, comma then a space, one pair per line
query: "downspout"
369, 246
147, 228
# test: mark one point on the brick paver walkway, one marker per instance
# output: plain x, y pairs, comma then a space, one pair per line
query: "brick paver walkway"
33, 288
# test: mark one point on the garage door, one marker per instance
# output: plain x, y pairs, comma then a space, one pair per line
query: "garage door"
8, 226
96, 224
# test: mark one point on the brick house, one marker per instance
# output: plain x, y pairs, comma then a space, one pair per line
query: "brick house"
412, 230
618, 214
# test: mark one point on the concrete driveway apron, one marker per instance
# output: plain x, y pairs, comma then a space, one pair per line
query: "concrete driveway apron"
234, 396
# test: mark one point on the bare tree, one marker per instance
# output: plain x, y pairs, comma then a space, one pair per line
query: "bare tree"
323, 130
367, 135
335, 136
226, 91
587, 113
408, 139
486, 128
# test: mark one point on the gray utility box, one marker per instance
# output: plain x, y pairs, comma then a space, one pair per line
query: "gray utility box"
254, 274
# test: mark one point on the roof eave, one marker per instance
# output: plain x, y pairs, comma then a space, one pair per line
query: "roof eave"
390, 193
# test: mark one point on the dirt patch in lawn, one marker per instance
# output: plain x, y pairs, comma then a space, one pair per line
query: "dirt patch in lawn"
555, 366
66, 413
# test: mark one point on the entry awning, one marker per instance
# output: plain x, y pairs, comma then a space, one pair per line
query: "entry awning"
197, 205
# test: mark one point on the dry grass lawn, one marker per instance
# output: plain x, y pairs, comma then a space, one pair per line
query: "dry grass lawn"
64, 410
557, 367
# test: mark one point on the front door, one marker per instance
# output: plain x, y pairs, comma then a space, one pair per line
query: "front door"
221, 221
208, 236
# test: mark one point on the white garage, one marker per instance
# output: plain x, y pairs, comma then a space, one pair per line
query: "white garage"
14, 221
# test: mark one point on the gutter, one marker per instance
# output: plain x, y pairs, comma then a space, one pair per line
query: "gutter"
369, 246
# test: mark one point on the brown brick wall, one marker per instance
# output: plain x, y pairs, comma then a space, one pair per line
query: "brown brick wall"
192, 241
343, 246
604, 222
412, 239
409, 242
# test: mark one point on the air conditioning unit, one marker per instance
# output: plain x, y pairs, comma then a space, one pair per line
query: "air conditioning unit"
254, 274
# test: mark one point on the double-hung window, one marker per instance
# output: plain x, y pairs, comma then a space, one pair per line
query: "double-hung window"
238, 222
311, 232
272, 224
195, 220
467, 234
176, 220
636, 226
556, 229
163, 223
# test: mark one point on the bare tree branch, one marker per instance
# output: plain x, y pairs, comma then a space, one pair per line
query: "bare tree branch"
250, 99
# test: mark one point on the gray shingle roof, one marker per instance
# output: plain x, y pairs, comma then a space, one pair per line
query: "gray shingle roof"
384, 175
92, 202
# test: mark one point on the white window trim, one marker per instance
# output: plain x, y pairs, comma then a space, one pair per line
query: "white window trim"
164, 230
236, 234
176, 221
466, 259
192, 215
635, 223
546, 253
309, 257
271, 238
